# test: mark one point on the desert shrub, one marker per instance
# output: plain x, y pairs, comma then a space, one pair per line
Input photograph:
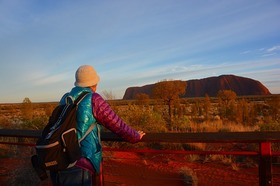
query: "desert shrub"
230, 126
179, 110
272, 126
181, 124
27, 109
274, 110
227, 103
36, 123
49, 109
193, 157
196, 109
189, 176
154, 123
224, 159
207, 106
5, 123
142, 99
232, 161
220, 126
242, 113
235, 166
233, 127
142, 118
123, 145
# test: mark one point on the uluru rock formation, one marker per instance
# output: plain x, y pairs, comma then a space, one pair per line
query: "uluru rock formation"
210, 86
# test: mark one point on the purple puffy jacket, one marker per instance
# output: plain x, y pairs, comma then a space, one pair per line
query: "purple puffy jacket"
105, 116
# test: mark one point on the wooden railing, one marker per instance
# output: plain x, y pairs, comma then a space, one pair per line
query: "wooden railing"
264, 139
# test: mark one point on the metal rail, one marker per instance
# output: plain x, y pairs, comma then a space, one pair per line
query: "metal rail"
201, 137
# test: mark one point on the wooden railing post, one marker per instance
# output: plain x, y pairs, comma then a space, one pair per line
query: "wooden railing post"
265, 167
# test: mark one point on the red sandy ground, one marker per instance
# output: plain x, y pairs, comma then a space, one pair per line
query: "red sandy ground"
168, 172
127, 169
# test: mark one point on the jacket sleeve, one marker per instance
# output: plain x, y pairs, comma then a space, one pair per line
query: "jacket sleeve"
109, 119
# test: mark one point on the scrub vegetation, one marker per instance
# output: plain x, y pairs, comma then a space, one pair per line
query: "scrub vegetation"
167, 111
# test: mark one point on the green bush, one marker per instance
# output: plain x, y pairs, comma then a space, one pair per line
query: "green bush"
143, 118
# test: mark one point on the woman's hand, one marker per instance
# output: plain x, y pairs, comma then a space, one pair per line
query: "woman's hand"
141, 133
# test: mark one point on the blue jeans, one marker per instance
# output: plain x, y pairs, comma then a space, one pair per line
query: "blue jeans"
72, 177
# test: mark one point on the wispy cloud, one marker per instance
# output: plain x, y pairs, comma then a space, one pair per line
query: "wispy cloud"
51, 79
246, 52
270, 51
264, 51
274, 49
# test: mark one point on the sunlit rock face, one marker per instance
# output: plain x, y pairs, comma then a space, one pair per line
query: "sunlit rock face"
200, 87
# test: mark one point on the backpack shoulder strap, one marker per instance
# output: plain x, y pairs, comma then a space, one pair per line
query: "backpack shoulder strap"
80, 98
88, 131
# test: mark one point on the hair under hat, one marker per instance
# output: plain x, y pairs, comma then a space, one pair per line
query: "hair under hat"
86, 76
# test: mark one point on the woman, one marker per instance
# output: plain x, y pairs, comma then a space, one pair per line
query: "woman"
93, 108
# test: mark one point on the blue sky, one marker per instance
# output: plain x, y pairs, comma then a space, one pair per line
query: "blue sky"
134, 43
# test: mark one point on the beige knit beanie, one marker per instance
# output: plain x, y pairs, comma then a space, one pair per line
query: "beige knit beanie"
86, 76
